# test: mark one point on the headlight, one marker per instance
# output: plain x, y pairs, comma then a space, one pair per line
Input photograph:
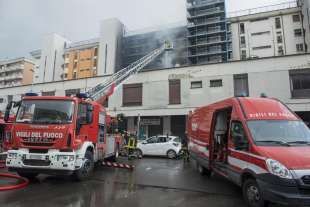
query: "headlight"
278, 169
65, 157
12, 155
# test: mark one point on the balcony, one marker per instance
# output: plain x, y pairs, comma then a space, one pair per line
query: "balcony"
211, 31
13, 77
209, 3
12, 68
207, 41
205, 12
208, 21
207, 52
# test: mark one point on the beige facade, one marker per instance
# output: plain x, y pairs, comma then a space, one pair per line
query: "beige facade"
16, 72
81, 60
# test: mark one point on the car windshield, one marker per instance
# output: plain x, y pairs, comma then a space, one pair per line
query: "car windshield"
281, 132
45, 111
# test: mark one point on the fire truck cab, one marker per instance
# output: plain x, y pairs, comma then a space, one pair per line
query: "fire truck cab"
257, 143
59, 135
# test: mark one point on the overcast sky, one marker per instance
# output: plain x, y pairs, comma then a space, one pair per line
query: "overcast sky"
23, 23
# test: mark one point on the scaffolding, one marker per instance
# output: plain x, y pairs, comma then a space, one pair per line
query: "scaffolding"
207, 32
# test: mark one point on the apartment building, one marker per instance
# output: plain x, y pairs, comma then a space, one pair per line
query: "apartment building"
16, 72
267, 31
81, 60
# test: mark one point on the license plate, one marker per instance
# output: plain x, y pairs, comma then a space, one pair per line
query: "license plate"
36, 157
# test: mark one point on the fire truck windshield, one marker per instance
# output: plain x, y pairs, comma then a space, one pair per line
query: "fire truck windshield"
45, 112
279, 132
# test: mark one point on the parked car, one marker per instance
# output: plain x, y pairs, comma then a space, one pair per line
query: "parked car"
161, 145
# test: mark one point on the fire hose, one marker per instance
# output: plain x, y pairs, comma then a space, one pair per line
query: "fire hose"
23, 181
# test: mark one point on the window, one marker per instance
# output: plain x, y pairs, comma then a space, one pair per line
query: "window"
132, 94
96, 52
280, 50
238, 136
75, 65
196, 84
279, 38
74, 75
298, 32
75, 56
241, 86
95, 63
242, 41
48, 93
260, 33
216, 83
296, 18
262, 47
242, 28
278, 23
71, 92
10, 98
243, 55
300, 83
174, 92
82, 113
162, 139
1, 100
300, 47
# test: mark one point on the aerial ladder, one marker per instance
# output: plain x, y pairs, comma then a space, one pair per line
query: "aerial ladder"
103, 90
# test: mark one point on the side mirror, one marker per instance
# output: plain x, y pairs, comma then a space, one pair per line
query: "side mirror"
7, 111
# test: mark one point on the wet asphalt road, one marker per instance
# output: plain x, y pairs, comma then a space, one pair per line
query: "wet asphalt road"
154, 182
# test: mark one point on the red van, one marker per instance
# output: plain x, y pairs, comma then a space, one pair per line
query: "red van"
257, 143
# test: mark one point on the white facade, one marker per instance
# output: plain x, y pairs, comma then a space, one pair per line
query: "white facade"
259, 35
262, 76
52, 60
111, 34
305, 5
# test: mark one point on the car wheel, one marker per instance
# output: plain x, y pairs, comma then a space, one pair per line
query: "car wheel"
171, 154
139, 153
28, 175
87, 169
252, 194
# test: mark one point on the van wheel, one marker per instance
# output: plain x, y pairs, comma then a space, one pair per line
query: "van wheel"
87, 169
252, 194
202, 170
28, 175
171, 154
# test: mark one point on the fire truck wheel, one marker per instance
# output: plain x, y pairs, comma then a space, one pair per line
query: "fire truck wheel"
28, 175
202, 170
171, 154
252, 194
87, 168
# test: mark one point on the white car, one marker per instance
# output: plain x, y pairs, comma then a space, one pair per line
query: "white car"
161, 145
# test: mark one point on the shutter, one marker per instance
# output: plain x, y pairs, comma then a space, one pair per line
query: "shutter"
174, 92
132, 94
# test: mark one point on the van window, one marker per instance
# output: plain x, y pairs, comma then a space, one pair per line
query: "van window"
238, 136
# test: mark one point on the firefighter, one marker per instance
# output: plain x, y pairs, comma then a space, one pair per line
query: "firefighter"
132, 146
185, 153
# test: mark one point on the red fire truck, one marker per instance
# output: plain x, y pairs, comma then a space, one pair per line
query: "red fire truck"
257, 143
67, 135
5, 136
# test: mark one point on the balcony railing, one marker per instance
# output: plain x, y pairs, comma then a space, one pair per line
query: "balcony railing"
190, 6
286, 5
205, 12
12, 68
205, 22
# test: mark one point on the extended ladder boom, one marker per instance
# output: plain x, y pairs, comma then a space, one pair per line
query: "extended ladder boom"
106, 88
